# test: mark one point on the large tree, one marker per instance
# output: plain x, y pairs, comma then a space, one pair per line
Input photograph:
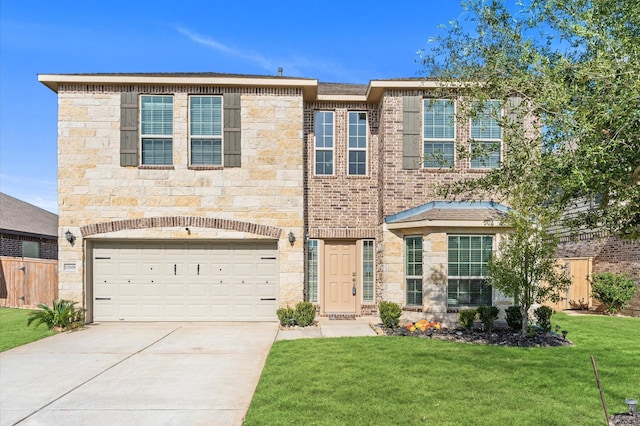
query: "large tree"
571, 70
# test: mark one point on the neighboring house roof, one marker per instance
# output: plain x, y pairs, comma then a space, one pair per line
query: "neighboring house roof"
19, 217
443, 213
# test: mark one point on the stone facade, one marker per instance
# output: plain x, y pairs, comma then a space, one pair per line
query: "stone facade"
95, 192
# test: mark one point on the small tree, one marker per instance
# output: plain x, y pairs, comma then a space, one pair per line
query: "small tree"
525, 266
614, 291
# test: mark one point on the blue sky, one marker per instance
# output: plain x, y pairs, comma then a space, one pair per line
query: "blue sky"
334, 41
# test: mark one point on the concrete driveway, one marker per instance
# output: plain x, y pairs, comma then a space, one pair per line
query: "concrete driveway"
136, 374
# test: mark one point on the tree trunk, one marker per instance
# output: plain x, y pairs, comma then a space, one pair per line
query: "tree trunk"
524, 312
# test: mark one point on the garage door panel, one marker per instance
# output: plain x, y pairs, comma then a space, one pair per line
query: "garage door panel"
185, 281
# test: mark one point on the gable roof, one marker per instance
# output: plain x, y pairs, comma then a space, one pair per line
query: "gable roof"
444, 213
19, 217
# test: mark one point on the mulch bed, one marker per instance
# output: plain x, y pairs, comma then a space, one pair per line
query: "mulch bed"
624, 420
497, 337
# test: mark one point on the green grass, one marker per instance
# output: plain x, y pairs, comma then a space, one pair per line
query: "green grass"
404, 380
14, 331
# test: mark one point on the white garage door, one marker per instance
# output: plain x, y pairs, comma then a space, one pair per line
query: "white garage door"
163, 281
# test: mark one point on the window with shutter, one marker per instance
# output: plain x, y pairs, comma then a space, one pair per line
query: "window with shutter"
205, 130
438, 133
156, 130
486, 137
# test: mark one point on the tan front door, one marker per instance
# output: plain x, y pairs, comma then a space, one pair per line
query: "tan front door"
339, 276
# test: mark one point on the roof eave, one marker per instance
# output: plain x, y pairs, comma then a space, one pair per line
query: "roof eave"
309, 86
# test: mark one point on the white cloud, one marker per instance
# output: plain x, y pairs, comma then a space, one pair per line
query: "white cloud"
208, 42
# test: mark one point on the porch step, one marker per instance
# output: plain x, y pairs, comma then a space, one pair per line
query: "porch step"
340, 316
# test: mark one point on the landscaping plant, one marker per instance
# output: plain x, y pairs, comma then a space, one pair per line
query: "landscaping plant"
304, 314
285, 315
62, 315
514, 317
390, 313
467, 317
488, 314
543, 317
613, 291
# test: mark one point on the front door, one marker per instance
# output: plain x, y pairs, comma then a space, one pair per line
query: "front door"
340, 277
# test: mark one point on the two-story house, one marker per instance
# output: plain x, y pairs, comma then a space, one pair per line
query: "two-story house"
203, 196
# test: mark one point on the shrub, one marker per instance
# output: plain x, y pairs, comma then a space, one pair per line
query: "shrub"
467, 317
613, 291
390, 313
285, 315
62, 314
514, 317
488, 314
304, 314
543, 317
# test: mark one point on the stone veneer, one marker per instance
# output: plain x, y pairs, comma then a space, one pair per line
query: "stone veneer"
261, 199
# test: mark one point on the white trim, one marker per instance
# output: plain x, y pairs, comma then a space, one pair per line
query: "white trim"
440, 140
487, 140
142, 136
190, 137
373, 266
365, 149
333, 143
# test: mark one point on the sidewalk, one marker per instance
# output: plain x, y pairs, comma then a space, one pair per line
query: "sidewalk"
332, 328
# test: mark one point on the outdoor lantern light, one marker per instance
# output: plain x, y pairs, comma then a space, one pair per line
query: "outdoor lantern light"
292, 238
70, 237
633, 405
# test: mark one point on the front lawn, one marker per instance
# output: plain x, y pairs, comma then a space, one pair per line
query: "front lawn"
404, 380
14, 331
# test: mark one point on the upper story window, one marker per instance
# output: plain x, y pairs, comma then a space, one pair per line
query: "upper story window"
357, 146
438, 133
486, 137
324, 143
205, 130
156, 117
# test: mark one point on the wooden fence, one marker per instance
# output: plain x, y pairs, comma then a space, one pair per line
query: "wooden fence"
24, 283
578, 295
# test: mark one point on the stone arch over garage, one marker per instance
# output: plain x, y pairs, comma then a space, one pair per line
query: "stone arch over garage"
180, 221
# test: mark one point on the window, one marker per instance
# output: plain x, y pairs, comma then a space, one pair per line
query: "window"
31, 249
357, 143
324, 143
157, 130
367, 271
312, 271
438, 133
205, 127
486, 137
413, 270
468, 258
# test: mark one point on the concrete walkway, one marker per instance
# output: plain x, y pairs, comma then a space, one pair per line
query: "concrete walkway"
332, 328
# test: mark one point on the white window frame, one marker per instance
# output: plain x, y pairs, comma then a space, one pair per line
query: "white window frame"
207, 137
486, 141
358, 149
468, 277
407, 276
373, 271
426, 140
317, 149
151, 136
313, 297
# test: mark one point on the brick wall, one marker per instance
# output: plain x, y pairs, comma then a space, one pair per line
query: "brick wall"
11, 245
404, 189
341, 206
610, 254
